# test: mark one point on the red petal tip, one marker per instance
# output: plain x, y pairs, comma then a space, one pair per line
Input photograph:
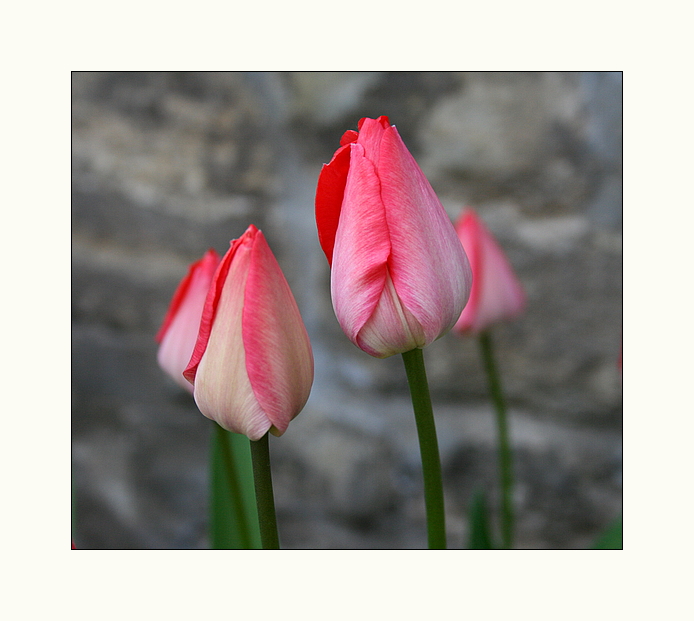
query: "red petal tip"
383, 120
349, 136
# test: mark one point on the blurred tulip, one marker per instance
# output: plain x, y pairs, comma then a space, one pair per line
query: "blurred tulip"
252, 367
179, 331
497, 294
399, 276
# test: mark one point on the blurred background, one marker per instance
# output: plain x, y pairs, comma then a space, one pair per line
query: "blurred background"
167, 165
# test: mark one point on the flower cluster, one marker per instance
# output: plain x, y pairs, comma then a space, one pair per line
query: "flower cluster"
234, 332
401, 276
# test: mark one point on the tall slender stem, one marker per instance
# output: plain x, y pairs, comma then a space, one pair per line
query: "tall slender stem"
229, 520
505, 458
260, 453
428, 447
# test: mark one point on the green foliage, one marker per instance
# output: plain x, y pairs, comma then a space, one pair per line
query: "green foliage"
480, 535
611, 539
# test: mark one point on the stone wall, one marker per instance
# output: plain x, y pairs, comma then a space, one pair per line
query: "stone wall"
166, 165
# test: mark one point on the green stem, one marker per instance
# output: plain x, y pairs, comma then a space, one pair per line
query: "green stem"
260, 453
429, 448
233, 518
232, 477
505, 459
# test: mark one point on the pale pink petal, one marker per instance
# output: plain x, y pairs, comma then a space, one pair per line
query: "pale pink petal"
204, 268
223, 391
209, 310
179, 331
177, 344
391, 329
362, 247
497, 294
428, 265
279, 361
473, 248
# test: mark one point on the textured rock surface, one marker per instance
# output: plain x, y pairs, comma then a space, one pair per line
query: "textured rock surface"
166, 165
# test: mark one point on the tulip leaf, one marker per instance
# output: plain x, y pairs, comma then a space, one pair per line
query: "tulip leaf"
480, 536
611, 538
233, 513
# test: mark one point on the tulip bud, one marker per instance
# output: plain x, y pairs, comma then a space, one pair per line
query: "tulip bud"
399, 276
497, 294
252, 367
179, 331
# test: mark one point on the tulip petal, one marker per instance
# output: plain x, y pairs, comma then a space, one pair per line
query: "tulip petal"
349, 136
208, 312
428, 265
231, 403
179, 330
333, 177
329, 195
383, 120
497, 294
279, 360
391, 329
205, 266
362, 247
370, 136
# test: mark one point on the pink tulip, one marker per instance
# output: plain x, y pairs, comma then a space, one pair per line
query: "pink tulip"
252, 367
179, 331
497, 294
399, 277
